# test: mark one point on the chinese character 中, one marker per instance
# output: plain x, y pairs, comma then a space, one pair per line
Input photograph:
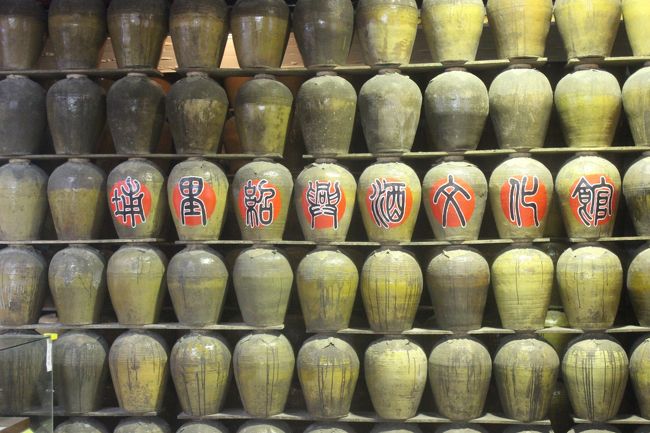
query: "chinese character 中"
449, 191
388, 202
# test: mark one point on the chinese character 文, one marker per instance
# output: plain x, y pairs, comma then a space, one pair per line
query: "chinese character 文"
191, 204
595, 201
518, 199
388, 202
258, 202
323, 199
448, 191
127, 200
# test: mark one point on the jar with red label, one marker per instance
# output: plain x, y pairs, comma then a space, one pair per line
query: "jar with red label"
588, 188
389, 194
136, 199
324, 199
521, 192
454, 194
261, 193
197, 193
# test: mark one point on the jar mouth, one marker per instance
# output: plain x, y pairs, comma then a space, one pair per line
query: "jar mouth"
200, 74
263, 76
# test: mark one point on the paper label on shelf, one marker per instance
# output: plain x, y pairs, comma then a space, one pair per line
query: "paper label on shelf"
48, 356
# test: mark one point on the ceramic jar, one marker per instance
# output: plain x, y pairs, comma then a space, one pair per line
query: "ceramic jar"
23, 194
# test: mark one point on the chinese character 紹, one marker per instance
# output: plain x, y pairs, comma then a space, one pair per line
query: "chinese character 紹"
258, 201
388, 202
323, 200
595, 201
518, 199
127, 201
191, 204
448, 191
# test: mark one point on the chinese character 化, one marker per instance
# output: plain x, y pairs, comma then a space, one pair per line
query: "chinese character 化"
518, 199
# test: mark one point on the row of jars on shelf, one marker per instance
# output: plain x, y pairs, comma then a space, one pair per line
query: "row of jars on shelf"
521, 192
587, 281
456, 104
386, 30
157, 425
595, 370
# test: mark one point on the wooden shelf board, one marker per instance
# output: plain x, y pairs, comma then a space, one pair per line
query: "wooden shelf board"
155, 326
421, 418
13, 424
86, 241
620, 420
485, 153
153, 156
611, 61
96, 72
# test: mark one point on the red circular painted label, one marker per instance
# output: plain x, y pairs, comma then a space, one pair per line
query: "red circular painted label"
593, 199
130, 202
452, 201
389, 202
524, 200
323, 204
194, 201
259, 203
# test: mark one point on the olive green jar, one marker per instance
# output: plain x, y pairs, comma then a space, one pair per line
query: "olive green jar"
589, 104
521, 101
197, 194
77, 277
588, 27
582, 177
326, 106
459, 372
138, 361
323, 31
458, 279
328, 369
456, 105
391, 287
260, 29
454, 194
520, 27
137, 200
262, 112
77, 186
23, 114
590, 280
76, 114
638, 285
135, 276
327, 281
77, 29
396, 374
636, 14
263, 365
200, 368
453, 29
389, 109
22, 33
199, 32
559, 341
135, 107
324, 198
526, 370
80, 363
636, 91
196, 108
595, 371
23, 193
197, 278
386, 30
262, 277
636, 190
137, 30
522, 280
639, 374
521, 194
23, 286
261, 194
389, 220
